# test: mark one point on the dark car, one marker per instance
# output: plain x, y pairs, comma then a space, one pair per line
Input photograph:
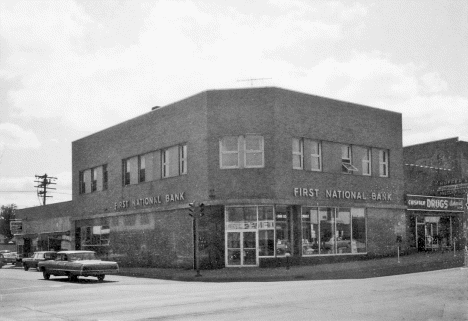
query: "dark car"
31, 262
73, 264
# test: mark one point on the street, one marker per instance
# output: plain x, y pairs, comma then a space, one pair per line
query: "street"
436, 295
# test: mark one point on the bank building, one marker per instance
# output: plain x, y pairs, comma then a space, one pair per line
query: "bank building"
283, 175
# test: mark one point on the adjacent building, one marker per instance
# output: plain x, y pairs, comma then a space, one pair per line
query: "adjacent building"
282, 174
436, 183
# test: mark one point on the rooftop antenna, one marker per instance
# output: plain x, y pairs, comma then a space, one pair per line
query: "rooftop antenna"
252, 80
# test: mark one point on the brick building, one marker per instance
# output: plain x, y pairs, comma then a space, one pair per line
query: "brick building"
281, 174
436, 184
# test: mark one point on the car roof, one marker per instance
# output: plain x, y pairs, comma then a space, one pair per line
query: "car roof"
73, 252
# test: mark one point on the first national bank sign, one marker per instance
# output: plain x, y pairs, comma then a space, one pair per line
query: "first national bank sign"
150, 201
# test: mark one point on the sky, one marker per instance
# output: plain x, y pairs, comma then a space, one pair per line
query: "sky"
71, 68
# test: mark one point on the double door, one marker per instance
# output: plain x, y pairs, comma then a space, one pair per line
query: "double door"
241, 248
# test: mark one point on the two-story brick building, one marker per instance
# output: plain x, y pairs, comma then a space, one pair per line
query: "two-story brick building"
280, 173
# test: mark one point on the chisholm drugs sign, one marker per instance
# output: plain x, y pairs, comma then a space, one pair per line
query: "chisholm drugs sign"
434, 203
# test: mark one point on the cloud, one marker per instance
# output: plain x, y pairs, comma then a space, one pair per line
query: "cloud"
179, 48
14, 137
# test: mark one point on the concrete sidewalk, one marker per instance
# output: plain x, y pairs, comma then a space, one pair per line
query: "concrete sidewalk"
418, 262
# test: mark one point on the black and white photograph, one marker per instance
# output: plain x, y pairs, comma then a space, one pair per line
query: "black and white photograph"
233, 160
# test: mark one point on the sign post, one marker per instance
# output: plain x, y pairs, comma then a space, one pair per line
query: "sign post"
196, 211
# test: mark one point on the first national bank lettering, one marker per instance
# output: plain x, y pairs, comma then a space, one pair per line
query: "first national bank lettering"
148, 201
332, 193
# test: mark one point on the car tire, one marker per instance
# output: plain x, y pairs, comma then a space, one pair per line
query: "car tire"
101, 277
25, 267
45, 275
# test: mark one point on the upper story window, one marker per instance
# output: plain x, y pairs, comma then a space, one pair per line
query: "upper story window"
298, 153
174, 161
367, 162
241, 151
316, 155
346, 160
168, 162
309, 152
383, 163
93, 179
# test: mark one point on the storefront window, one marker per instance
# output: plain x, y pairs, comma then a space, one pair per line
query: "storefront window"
310, 231
358, 243
333, 230
266, 233
95, 235
283, 231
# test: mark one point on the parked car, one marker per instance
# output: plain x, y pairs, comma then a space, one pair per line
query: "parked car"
2, 262
73, 264
8, 256
31, 262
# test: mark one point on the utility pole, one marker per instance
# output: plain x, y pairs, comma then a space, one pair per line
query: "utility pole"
43, 183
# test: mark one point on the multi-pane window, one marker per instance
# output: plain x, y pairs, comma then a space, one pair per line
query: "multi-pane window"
171, 161
241, 151
168, 162
383, 163
298, 153
366, 162
229, 150
307, 154
93, 179
330, 230
316, 155
346, 160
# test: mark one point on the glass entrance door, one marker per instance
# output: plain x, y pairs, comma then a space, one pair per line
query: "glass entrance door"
242, 248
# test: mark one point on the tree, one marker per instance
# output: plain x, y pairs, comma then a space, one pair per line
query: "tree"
7, 214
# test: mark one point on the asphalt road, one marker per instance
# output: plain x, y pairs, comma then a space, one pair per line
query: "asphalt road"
435, 295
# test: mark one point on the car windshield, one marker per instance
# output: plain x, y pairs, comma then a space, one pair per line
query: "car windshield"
82, 256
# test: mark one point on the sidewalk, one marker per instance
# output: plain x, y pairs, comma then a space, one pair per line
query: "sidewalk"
418, 262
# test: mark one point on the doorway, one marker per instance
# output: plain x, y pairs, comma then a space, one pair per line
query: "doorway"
241, 248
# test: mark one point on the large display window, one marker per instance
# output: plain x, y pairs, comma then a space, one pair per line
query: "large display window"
256, 231
332, 230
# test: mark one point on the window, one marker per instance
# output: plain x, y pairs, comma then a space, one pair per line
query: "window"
366, 162
104, 177
241, 152
126, 170
298, 153
141, 168
183, 159
316, 155
170, 162
346, 158
229, 149
96, 235
93, 179
383, 163
283, 230
253, 146
329, 230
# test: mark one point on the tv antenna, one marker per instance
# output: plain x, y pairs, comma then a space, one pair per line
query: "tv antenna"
252, 80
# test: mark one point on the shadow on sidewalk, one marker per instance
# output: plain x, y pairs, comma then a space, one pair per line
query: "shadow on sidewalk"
360, 269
